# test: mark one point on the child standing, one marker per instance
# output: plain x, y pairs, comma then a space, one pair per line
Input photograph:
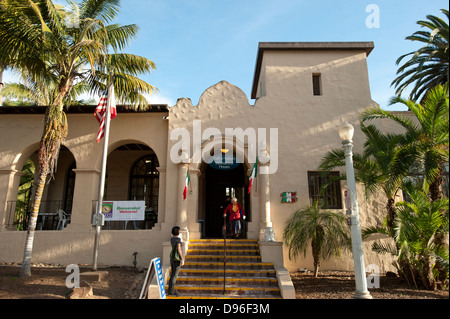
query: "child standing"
176, 259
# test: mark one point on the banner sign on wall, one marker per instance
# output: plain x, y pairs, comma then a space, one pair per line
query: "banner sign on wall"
288, 197
124, 210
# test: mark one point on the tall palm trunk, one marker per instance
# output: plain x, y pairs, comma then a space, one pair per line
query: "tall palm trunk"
440, 240
26, 263
435, 187
55, 130
316, 267
390, 207
316, 257
316, 246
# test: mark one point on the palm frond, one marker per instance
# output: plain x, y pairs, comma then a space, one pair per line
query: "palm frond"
104, 10
428, 66
384, 248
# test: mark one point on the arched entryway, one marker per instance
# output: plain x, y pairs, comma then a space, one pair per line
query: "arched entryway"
55, 209
132, 174
223, 172
220, 184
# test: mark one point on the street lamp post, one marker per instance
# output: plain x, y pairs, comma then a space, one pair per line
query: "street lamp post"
346, 134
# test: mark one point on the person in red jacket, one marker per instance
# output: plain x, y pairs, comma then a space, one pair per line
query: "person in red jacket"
236, 215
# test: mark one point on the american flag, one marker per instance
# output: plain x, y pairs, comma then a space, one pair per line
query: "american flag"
100, 113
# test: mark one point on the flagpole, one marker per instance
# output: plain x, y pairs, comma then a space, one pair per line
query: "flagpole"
98, 215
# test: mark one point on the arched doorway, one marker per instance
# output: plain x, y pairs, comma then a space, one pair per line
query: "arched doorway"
132, 174
221, 183
55, 209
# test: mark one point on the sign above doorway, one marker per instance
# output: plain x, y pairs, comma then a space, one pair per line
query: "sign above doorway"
222, 164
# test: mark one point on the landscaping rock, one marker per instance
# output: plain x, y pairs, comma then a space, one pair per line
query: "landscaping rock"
84, 292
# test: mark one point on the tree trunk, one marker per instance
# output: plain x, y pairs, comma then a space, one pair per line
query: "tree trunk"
55, 130
26, 263
316, 256
440, 241
391, 213
316, 268
435, 188
426, 272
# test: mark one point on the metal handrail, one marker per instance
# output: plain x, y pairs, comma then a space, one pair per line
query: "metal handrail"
224, 251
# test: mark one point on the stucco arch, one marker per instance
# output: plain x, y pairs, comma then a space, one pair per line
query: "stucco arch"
221, 90
27, 152
115, 145
21, 157
244, 153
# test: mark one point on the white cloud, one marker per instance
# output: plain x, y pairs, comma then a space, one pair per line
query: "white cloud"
158, 98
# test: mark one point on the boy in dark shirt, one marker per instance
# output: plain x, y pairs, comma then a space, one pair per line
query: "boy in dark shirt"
176, 259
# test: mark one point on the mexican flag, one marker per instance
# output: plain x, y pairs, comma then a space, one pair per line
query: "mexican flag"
186, 185
253, 175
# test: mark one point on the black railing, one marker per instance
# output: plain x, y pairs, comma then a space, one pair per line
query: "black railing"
52, 215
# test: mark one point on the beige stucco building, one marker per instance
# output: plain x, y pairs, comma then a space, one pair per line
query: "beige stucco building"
302, 92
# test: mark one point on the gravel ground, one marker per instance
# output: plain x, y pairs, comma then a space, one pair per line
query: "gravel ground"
341, 285
48, 282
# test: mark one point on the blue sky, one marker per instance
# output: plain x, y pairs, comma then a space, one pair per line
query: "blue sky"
197, 43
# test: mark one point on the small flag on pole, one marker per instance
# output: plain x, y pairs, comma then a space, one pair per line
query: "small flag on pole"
100, 113
253, 175
186, 185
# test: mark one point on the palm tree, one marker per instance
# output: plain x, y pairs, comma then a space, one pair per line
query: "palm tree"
24, 194
37, 39
418, 223
41, 94
429, 136
326, 231
381, 166
429, 65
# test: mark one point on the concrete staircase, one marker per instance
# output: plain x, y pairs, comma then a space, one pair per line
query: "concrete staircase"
246, 277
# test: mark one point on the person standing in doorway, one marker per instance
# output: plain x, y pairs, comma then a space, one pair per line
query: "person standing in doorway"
176, 259
237, 215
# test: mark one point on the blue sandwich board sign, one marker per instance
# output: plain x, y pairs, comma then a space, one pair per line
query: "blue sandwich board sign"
160, 278
154, 272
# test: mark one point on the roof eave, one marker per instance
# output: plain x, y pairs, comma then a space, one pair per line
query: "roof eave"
82, 109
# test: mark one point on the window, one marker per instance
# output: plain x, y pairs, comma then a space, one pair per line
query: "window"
70, 187
144, 182
330, 196
317, 85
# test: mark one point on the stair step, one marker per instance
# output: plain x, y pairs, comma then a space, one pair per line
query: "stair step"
230, 265
221, 252
229, 272
214, 246
218, 258
217, 281
240, 290
201, 276
220, 241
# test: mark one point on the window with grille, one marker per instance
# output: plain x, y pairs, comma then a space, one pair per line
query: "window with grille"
144, 182
329, 196
317, 84
69, 189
